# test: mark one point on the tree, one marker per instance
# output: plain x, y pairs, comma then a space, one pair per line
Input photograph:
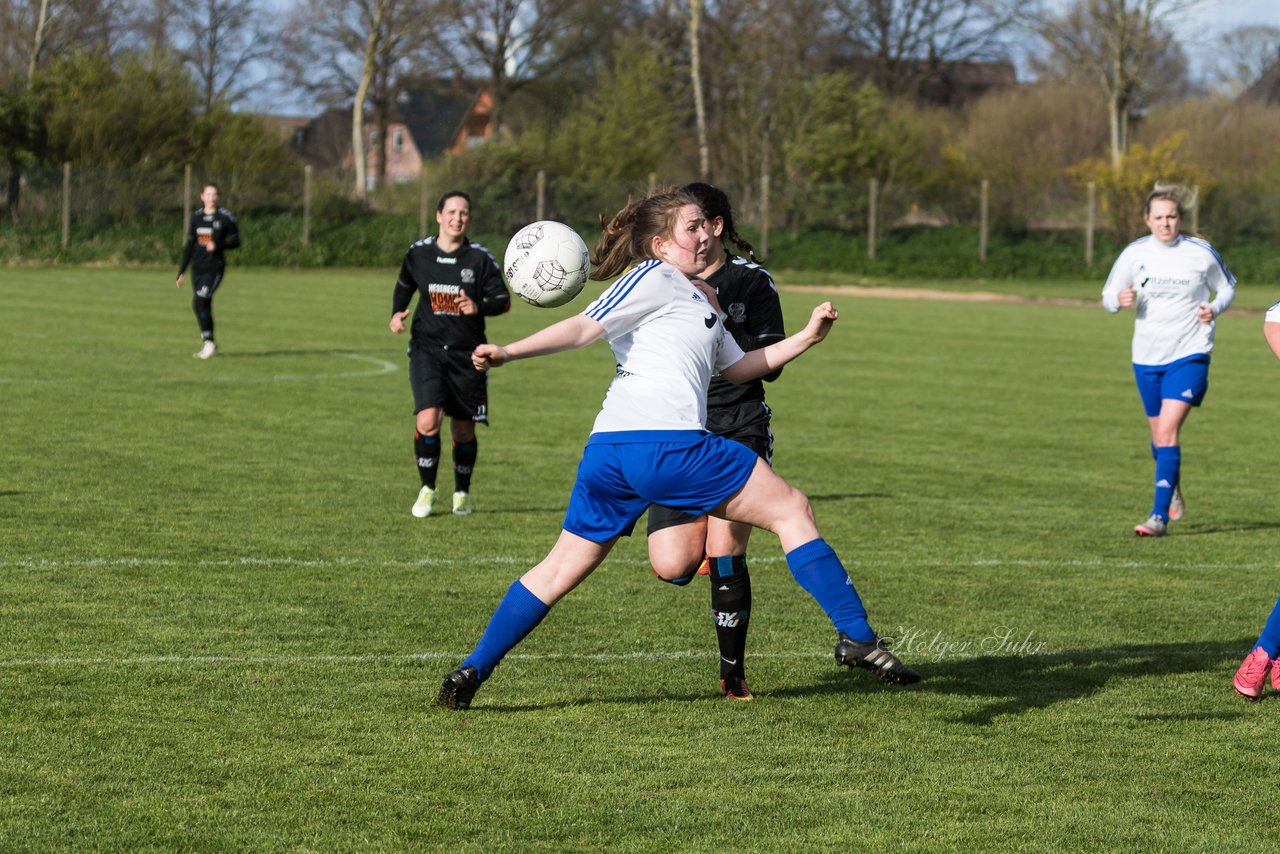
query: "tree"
220, 41
908, 40
510, 44
1244, 55
336, 49
1125, 47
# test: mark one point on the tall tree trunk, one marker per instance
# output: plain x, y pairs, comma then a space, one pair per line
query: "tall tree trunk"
695, 74
371, 44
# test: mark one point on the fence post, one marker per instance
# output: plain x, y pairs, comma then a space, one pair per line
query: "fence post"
872, 189
1089, 223
306, 206
764, 215
653, 181
424, 208
186, 200
66, 205
1195, 209
542, 195
983, 217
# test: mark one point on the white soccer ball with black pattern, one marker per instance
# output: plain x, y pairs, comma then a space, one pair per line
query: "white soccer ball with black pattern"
546, 264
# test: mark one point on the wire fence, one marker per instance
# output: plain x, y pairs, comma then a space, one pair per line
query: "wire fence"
91, 204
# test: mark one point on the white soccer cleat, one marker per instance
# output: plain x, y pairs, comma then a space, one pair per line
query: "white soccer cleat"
462, 504
426, 498
1153, 527
207, 351
1176, 505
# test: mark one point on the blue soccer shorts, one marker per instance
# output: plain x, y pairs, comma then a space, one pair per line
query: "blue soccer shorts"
1186, 380
621, 474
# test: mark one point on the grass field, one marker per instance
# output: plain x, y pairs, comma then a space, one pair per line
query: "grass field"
220, 628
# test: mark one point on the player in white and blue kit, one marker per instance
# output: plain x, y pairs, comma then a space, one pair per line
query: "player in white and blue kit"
649, 444
1177, 285
1253, 672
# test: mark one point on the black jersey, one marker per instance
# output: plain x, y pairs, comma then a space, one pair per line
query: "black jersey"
440, 277
750, 299
215, 233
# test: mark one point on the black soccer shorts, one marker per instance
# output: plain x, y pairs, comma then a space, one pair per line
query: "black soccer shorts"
442, 378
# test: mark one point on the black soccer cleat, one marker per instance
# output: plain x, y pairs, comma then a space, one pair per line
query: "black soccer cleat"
458, 688
874, 656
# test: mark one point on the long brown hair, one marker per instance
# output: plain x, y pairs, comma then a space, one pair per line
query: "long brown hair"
628, 236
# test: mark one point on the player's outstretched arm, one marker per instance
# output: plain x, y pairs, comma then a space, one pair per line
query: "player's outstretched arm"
757, 363
569, 334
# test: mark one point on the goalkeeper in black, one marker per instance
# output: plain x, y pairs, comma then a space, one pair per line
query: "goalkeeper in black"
459, 285
212, 232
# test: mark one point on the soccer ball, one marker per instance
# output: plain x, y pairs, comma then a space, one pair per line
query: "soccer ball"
546, 264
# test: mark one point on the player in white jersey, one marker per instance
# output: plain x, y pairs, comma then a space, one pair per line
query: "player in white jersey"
1253, 672
650, 445
1177, 284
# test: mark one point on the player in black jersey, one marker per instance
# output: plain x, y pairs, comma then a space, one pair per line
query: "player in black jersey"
460, 285
679, 542
212, 232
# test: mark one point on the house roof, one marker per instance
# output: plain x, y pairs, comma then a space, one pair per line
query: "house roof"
433, 117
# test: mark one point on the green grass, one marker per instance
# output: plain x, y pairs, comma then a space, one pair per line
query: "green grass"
220, 628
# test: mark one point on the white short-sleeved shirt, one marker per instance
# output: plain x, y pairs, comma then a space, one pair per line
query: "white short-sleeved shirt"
1273, 314
668, 341
1171, 281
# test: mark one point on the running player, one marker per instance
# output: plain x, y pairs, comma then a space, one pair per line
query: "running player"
1167, 278
459, 285
1253, 671
649, 444
212, 232
680, 543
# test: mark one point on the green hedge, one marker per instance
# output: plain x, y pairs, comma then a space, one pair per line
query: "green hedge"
369, 240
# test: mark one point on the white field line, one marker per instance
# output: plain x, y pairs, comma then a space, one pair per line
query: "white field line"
380, 368
326, 563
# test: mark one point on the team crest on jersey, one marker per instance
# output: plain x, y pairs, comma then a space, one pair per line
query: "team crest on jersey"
737, 311
468, 275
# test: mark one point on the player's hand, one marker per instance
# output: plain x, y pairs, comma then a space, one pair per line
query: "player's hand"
179, 282
397, 321
821, 320
1204, 314
708, 292
1128, 296
488, 356
467, 305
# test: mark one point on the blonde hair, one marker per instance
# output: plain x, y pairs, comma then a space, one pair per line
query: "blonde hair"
1176, 193
628, 236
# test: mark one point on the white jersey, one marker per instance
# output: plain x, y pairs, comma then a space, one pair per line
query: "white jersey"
668, 341
1170, 282
1273, 314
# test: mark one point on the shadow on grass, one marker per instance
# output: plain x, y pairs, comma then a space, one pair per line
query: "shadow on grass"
1011, 684
1017, 684
1236, 528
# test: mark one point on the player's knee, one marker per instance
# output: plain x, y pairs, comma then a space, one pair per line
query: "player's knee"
674, 571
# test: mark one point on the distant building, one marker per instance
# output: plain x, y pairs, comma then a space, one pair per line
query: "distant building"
421, 124
937, 83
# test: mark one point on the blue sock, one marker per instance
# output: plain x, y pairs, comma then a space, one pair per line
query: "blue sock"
817, 569
1153, 450
1168, 468
1270, 639
517, 614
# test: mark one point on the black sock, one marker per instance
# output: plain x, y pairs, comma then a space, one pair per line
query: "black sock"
464, 460
203, 307
730, 611
427, 451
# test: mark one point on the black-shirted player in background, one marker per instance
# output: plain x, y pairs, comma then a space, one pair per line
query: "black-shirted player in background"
677, 540
212, 232
460, 285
